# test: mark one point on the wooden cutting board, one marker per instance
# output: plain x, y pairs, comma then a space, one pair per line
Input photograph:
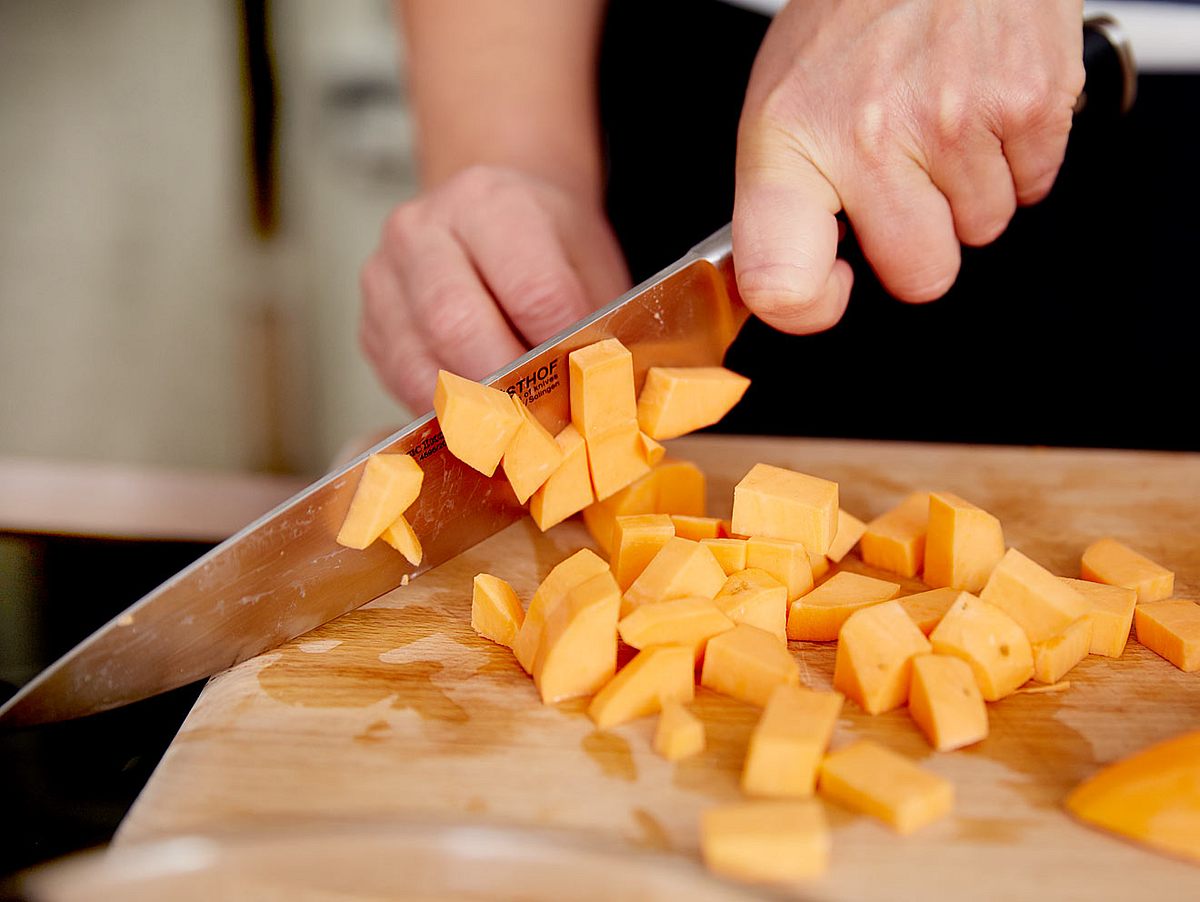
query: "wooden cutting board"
400, 709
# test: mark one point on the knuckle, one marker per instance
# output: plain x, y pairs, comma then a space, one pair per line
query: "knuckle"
926, 282
447, 320
402, 223
480, 180
537, 301
876, 134
781, 294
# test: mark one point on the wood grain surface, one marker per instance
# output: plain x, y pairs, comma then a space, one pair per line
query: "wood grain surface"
398, 708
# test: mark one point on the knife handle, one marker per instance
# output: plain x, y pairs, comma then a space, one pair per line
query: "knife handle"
1110, 85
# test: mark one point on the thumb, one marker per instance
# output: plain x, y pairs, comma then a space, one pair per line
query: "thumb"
785, 236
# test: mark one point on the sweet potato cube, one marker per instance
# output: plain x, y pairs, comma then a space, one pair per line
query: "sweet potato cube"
819, 615
775, 503
849, 531
602, 392
679, 733
639, 497
680, 487
756, 598
477, 421
681, 569
578, 651
1108, 561
895, 541
991, 642
748, 663
652, 451
496, 612
566, 575
531, 456
789, 741
697, 528
787, 561
869, 778
1111, 611
615, 458
690, 622
766, 842
875, 649
1152, 797
387, 488
636, 540
818, 564
676, 400
657, 675
928, 608
730, 553
1053, 657
1171, 629
944, 701
1030, 594
400, 536
963, 544
567, 490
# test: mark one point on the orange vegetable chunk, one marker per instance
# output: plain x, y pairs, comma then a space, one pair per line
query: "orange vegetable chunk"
566, 575
657, 675
1110, 609
963, 544
1151, 797
680, 569
496, 612
1053, 657
636, 540
639, 497
788, 742
676, 400
400, 536
819, 615
869, 778
531, 456
928, 608
875, 649
389, 484
775, 503
787, 561
849, 531
895, 541
690, 622
945, 702
1171, 629
991, 642
756, 598
681, 488
615, 458
1039, 601
602, 392
679, 733
747, 663
818, 564
1109, 561
567, 490
730, 553
578, 653
697, 528
652, 450
477, 421
766, 842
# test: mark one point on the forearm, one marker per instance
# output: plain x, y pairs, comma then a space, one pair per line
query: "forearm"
506, 83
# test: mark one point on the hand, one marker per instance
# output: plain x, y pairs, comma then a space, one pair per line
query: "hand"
926, 121
475, 272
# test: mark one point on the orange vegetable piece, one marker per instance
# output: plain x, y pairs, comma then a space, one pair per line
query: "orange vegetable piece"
991, 642
875, 649
775, 503
602, 392
400, 536
1039, 601
657, 675
566, 575
895, 541
819, 615
787, 561
477, 421
681, 487
679, 733
963, 544
639, 497
1053, 657
945, 702
730, 553
636, 540
1171, 629
928, 608
747, 663
869, 778
389, 484
676, 400
681, 569
567, 490
690, 622
496, 612
756, 598
849, 530
770, 841
615, 458
1111, 611
1108, 561
788, 742
531, 456
818, 564
652, 450
697, 528
578, 651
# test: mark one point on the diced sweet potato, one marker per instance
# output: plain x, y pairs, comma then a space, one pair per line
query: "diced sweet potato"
636, 540
766, 841
679, 733
1108, 561
819, 615
697, 528
652, 450
775, 503
730, 553
895, 541
788, 742
747, 663
681, 569
615, 458
944, 701
477, 421
690, 622
1030, 594
756, 598
1171, 629
578, 568
578, 651
1053, 657
496, 612
1111, 611
678, 400
389, 484
602, 392
874, 780
531, 456
681, 487
875, 649
787, 561
962, 545
567, 490
928, 608
991, 642
400, 536
639, 497
657, 675
849, 531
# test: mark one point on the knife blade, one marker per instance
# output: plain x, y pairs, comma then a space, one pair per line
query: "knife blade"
285, 574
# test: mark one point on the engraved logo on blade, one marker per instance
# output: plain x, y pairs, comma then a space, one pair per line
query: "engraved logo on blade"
537, 383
